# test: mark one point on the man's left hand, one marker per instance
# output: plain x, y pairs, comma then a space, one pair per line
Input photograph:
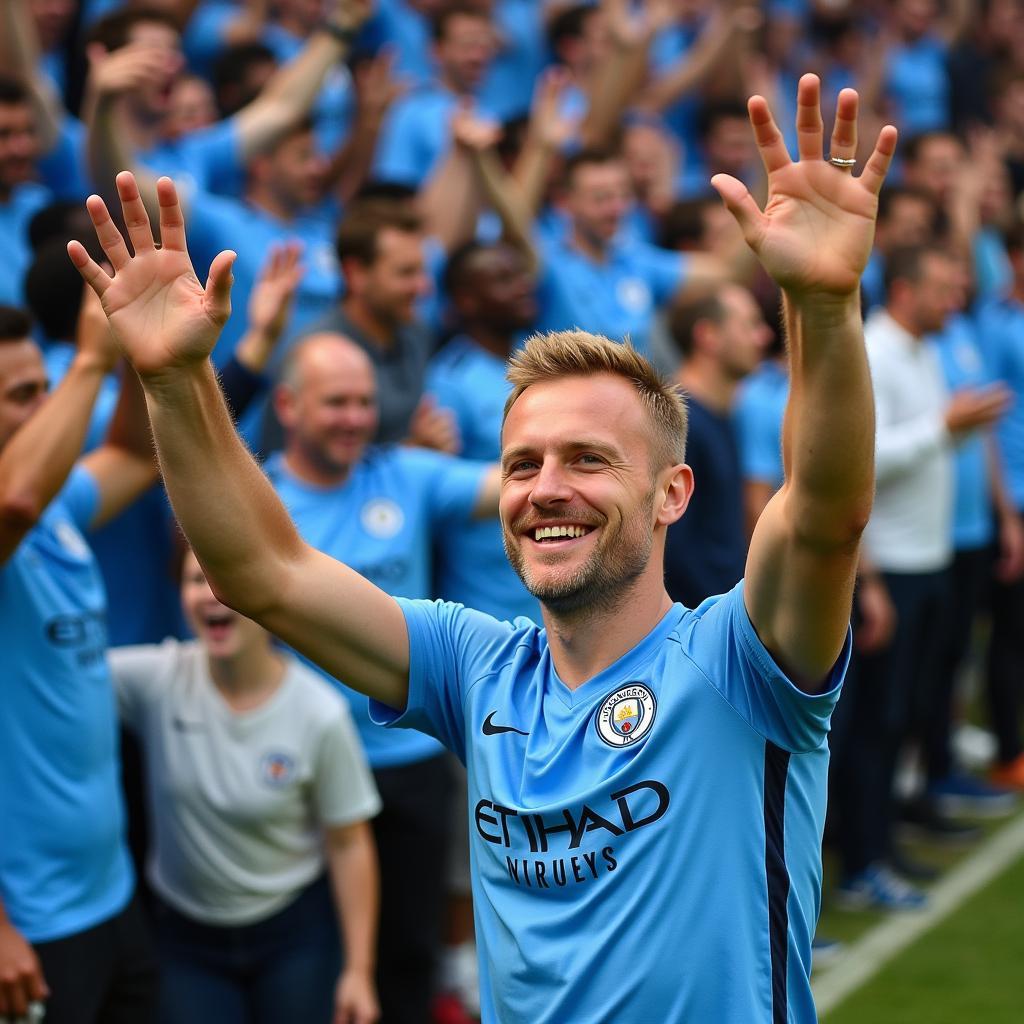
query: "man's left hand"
355, 999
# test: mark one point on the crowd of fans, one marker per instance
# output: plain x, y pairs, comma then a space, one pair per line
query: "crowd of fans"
411, 188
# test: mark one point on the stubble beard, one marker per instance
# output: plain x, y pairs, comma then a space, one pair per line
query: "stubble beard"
604, 580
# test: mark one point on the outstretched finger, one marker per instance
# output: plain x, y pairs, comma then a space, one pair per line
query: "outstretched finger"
92, 273
172, 220
110, 238
844, 133
810, 131
740, 203
218, 285
136, 219
878, 163
769, 139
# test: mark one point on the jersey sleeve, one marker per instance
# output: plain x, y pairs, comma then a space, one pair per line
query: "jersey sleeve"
724, 645
343, 788
401, 156
214, 156
452, 485
80, 496
450, 649
138, 674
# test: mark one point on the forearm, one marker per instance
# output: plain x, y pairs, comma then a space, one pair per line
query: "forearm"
829, 427
356, 886
450, 201
611, 93
531, 173
351, 166
693, 68
129, 428
289, 95
230, 513
500, 190
107, 147
36, 461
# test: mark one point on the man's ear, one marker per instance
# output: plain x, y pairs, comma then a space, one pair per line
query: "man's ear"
675, 492
284, 405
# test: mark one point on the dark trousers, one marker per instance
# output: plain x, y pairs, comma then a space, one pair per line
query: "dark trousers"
1006, 667
413, 833
969, 581
104, 975
283, 968
882, 694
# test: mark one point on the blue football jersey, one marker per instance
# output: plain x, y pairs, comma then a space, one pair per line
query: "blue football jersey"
647, 846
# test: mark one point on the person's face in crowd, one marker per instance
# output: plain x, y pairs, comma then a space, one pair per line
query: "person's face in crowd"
937, 167
577, 453
910, 220
1009, 109
295, 171
915, 18
23, 385
498, 291
221, 631
329, 406
155, 100
465, 50
19, 145
742, 337
651, 158
52, 19
598, 197
937, 295
191, 107
1004, 20
996, 201
591, 48
396, 279
729, 147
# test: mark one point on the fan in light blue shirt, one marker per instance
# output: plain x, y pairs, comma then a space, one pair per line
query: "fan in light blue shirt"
416, 133
378, 509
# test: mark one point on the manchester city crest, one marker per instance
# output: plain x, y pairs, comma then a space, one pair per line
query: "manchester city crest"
626, 716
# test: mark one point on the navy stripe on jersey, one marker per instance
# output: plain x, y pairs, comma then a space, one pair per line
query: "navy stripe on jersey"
776, 771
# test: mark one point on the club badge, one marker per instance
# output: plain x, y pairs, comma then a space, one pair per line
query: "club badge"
625, 717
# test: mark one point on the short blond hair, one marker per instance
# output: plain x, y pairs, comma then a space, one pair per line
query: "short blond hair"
549, 357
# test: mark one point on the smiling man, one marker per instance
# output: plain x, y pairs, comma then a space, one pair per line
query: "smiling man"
648, 794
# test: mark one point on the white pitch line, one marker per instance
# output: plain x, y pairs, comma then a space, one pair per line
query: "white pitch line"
877, 947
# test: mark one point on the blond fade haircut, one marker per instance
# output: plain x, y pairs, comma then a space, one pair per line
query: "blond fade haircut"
549, 357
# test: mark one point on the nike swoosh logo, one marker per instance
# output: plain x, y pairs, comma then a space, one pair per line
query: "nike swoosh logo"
490, 729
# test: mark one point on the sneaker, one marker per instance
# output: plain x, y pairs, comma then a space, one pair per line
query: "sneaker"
919, 819
910, 869
825, 951
878, 888
967, 795
1010, 774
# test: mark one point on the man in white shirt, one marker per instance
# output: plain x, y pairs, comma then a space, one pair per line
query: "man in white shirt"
909, 538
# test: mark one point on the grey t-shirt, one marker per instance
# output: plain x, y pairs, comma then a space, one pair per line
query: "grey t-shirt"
238, 800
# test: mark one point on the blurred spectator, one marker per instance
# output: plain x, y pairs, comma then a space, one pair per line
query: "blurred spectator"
381, 509
70, 930
721, 339
494, 297
909, 539
259, 795
1001, 333
415, 135
20, 196
600, 280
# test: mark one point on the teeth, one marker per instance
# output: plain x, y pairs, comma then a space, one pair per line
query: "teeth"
544, 532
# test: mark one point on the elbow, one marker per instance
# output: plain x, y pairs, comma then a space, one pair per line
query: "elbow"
834, 526
20, 511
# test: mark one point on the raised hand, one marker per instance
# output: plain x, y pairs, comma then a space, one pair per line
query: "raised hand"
270, 304
161, 316
816, 230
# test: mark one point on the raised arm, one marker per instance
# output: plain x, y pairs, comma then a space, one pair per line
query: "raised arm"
167, 323
36, 461
814, 237
289, 95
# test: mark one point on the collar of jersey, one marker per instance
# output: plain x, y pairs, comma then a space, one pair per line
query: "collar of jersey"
626, 669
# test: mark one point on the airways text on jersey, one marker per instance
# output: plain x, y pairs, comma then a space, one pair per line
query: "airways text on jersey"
523, 835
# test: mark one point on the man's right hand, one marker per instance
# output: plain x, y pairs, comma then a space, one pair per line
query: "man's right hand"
161, 316
351, 14
973, 408
21, 977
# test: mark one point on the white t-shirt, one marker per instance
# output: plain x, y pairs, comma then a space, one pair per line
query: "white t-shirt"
911, 525
238, 800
